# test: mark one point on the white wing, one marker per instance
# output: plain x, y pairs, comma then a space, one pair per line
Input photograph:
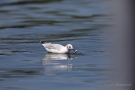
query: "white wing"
50, 46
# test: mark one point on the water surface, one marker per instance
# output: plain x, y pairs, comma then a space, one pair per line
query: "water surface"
25, 64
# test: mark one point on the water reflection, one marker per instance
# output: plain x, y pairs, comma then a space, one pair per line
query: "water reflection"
53, 56
56, 62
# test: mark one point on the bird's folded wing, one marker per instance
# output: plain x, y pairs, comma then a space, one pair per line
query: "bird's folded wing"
53, 46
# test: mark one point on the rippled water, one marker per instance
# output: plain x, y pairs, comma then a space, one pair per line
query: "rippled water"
24, 63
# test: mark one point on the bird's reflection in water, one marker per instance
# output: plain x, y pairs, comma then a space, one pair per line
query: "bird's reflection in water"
56, 62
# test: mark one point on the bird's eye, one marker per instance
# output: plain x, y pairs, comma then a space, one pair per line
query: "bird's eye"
69, 47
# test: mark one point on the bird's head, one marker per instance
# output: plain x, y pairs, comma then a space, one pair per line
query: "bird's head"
70, 47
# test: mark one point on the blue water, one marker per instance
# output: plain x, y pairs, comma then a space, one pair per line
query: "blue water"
24, 63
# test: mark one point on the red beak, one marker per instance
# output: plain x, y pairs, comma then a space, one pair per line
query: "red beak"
73, 49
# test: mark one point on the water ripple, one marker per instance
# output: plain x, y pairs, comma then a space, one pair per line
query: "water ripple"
82, 23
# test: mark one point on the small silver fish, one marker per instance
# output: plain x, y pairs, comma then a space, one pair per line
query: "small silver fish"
75, 51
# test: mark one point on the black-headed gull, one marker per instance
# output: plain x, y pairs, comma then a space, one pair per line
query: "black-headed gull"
57, 48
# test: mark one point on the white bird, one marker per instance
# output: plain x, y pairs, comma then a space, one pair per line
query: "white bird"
57, 48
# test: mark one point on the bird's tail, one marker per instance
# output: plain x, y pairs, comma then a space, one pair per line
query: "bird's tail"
40, 41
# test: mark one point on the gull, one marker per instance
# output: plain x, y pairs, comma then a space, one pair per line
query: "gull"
57, 48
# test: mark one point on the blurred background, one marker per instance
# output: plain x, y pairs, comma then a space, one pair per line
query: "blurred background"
24, 63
